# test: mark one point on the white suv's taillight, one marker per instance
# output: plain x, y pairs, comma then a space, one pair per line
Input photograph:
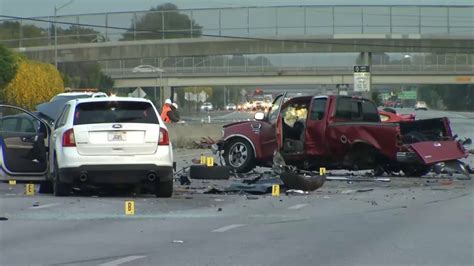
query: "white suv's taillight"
68, 138
164, 137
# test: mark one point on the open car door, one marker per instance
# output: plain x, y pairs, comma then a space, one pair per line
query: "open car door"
23, 141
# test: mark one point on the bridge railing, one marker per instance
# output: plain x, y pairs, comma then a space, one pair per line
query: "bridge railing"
291, 64
429, 21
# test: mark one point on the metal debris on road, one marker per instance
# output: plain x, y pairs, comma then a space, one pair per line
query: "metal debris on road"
252, 198
365, 190
296, 192
355, 179
3, 219
178, 241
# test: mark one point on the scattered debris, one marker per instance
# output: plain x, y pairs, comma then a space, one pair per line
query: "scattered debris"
178, 241
365, 190
252, 197
188, 197
348, 191
219, 209
36, 204
355, 179
373, 202
205, 143
3, 219
205, 172
184, 180
296, 192
218, 200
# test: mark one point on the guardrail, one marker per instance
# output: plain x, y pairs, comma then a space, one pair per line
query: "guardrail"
428, 21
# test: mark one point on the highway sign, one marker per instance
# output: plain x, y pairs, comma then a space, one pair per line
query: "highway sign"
361, 69
361, 78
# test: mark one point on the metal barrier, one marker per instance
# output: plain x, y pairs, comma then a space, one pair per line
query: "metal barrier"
428, 21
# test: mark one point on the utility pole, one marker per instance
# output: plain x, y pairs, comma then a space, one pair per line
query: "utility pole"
56, 9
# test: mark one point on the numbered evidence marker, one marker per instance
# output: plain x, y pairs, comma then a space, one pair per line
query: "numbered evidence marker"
276, 190
129, 207
210, 161
203, 159
30, 189
12, 182
322, 171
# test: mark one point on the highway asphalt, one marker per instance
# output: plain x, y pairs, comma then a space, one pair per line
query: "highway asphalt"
408, 221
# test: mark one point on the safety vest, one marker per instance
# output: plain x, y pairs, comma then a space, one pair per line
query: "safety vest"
164, 113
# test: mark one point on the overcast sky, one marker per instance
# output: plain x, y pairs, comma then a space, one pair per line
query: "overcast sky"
31, 8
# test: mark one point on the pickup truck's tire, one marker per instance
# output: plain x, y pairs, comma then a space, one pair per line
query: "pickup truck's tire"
239, 155
416, 170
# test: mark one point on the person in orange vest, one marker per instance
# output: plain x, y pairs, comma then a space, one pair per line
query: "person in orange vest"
164, 112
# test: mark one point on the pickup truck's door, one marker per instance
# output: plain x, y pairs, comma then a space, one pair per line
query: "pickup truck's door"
22, 145
268, 136
316, 127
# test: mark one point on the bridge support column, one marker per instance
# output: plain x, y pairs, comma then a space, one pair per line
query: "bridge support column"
366, 60
167, 93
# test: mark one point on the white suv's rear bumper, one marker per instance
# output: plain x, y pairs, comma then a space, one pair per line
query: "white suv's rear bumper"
68, 157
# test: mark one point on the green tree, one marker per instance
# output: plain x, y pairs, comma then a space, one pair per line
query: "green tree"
8, 68
176, 25
32, 35
85, 75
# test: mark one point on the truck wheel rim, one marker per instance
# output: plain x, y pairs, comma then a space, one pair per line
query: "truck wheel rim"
238, 154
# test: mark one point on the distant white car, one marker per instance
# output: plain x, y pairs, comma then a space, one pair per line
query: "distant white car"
145, 69
231, 107
206, 107
420, 105
95, 141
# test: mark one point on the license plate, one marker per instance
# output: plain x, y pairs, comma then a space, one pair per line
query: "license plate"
118, 136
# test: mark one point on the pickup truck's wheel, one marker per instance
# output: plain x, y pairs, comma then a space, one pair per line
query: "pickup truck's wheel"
60, 189
416, 170
238, 154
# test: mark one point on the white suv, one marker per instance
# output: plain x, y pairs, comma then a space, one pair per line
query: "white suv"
98, 141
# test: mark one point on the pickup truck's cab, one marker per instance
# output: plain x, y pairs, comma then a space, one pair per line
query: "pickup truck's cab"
337, 132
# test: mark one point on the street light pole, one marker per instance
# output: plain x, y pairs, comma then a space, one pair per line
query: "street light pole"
56, 9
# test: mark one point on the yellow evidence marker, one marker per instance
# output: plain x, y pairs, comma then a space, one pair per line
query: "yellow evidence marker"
210, 161
322, 171
30, 189
129, 207
12, 182
276, 190
203, 159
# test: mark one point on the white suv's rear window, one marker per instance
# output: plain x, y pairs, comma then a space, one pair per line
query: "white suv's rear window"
114, 112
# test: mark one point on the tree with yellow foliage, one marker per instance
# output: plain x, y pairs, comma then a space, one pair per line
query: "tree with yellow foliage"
34, 83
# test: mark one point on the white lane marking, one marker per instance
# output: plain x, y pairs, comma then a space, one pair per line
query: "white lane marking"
228, 227
122, 261
298, 206
45, 206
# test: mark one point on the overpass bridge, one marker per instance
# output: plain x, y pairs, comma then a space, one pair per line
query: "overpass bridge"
253, 30
414, 44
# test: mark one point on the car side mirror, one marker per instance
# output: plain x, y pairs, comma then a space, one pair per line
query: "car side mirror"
259, 116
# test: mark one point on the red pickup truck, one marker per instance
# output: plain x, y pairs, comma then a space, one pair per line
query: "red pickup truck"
337, 132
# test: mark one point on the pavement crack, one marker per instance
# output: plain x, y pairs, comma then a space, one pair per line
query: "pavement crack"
447, 199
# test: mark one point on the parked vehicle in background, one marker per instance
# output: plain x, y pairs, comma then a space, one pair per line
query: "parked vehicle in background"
95, 141
337, 132
144, 69
421, 105
231, 107
206, 107
389, 115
